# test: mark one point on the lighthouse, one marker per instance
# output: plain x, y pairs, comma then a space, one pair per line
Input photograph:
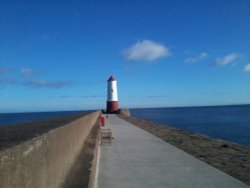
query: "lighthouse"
112, 96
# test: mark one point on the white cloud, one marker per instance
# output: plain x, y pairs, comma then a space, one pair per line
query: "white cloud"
146, 50
196, 59
227, 59
247, 68
26, 72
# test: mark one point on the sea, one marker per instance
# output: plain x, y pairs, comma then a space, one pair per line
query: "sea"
231, 123
13, 118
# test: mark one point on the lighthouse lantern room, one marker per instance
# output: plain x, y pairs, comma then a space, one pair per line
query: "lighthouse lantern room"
112, 96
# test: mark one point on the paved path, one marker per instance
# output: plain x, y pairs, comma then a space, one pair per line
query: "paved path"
137, 159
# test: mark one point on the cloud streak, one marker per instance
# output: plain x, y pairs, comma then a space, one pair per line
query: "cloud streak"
48, 84
7, 81
196, 59
93, 96
230, 58
247, 68
4, 70
26, 72
146, 50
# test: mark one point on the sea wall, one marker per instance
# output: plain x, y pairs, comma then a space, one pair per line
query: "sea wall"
44, 161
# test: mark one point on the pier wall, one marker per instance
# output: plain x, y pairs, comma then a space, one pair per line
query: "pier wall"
44, 161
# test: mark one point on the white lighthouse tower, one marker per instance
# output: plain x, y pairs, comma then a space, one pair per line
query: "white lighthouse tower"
112, 96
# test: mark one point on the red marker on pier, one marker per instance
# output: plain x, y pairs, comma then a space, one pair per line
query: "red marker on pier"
102, 121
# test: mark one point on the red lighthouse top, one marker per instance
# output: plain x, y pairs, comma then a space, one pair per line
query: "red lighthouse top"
111, 78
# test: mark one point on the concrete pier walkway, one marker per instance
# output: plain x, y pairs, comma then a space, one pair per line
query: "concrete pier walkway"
138, 159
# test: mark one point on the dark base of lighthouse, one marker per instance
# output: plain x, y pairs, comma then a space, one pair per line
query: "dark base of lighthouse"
112, 107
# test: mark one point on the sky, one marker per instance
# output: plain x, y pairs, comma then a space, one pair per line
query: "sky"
58, 55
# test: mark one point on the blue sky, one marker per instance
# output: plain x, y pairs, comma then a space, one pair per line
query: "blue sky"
58, 55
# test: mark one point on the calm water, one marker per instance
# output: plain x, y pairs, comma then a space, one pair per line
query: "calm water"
12, 118
230, 123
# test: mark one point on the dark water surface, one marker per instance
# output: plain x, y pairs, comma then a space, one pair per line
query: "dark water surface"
230, 123
12, 118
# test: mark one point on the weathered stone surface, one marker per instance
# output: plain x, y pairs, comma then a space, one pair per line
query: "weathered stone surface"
44, 161
15, 134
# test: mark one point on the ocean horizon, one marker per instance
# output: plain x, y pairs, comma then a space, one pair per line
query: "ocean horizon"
227, 122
